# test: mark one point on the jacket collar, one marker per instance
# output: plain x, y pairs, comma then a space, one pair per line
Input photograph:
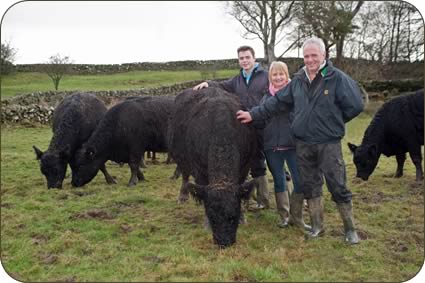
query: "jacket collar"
326, 71
247, 77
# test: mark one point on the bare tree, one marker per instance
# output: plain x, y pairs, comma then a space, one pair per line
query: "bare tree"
7, 58
405, 27
264, 20
56, 67
389, 31
330, 20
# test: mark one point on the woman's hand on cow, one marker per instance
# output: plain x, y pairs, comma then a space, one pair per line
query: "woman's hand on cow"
243, 116
201, 85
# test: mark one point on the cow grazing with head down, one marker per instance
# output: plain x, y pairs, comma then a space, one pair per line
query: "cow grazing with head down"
208, 143
396, 128
126, 131
74, 119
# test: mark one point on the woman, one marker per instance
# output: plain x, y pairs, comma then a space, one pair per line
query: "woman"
279, 145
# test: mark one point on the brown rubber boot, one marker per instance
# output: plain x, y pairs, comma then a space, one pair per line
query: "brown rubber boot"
262, 193
315, 208
296, 211
282, 206
346, 212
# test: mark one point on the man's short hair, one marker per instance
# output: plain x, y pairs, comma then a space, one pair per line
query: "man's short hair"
316, 41
247, 48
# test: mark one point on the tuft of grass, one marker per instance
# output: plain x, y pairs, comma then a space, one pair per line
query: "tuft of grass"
114, 233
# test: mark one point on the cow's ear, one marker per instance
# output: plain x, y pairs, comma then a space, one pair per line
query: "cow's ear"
38, 152
352, 147
90, 152
198, 192
246, 188
372, 150
66, 152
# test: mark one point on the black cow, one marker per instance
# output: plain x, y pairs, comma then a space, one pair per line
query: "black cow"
210, 144
74, 120
127, 130
396, 128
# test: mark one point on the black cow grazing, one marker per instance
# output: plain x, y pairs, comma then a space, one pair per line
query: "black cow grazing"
209, 143
396, 128
128, 130
74, 120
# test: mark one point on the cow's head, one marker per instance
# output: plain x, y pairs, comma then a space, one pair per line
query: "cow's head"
53, 165
85, 166
222, 205
365, 157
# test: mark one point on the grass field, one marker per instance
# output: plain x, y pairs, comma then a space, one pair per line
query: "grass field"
115, 233
22, 83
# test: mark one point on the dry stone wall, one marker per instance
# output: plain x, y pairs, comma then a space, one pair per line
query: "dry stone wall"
38, 107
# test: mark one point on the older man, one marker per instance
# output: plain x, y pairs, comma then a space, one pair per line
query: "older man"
323, 99
250, 86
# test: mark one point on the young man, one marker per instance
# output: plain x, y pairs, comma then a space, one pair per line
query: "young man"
249, 85
323, 99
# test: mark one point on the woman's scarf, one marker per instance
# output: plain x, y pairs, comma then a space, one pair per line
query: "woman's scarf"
273, 90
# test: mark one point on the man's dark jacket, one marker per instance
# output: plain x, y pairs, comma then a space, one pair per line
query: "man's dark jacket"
321, 108
250, 94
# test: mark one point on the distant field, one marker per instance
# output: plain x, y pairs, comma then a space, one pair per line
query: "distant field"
22, 83
120, 234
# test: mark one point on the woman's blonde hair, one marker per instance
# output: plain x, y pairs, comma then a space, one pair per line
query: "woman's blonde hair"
278, 66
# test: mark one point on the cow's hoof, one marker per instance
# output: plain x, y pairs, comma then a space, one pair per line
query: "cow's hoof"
182, 199
111, 181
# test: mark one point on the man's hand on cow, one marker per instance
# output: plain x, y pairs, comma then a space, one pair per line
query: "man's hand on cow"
201, 85
243, 116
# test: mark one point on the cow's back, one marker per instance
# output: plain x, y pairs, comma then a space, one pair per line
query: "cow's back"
404, 118
76, 117
206, 139
133, 125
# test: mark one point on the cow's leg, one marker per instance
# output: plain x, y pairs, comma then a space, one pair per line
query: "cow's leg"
184, 193
142, 163
154, 160
400, 164
109, 179
169, 159
134, 167
176, 174
417, 160
140, 175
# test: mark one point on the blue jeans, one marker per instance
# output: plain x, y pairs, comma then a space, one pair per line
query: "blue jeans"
276, 163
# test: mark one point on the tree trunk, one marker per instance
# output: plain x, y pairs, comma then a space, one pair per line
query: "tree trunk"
269, 55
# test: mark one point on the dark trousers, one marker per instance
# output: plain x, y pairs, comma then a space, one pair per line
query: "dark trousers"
276, 163
258, 164
316, 161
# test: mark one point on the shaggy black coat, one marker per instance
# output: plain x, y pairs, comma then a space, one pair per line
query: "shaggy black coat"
74, 120
128, 129
396, 128
209, 143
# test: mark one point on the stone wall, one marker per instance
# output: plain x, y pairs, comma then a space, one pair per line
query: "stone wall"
358, 69
38, 107
140, 66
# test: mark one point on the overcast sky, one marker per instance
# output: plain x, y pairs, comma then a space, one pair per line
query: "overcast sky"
122, 32
115, 32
